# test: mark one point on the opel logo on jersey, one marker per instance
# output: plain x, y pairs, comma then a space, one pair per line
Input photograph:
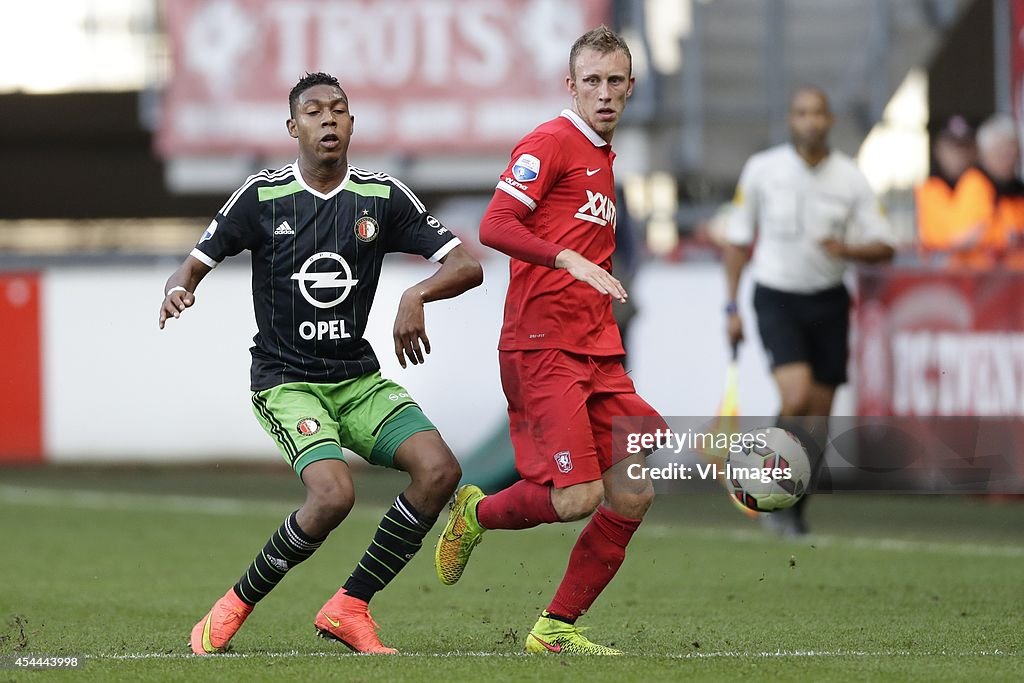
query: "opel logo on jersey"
331, 279
367, 229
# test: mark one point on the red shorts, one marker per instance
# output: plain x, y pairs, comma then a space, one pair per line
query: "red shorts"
561, 405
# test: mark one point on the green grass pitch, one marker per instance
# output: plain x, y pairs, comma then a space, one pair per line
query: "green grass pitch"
117, 565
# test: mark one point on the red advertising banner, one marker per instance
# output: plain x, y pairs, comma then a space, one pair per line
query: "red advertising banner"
934, 343
461, 77
1017, 59
21, 422
939, 368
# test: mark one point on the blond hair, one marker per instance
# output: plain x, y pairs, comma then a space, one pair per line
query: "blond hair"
601, 39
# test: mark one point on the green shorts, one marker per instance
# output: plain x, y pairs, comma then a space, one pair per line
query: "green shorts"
369, 415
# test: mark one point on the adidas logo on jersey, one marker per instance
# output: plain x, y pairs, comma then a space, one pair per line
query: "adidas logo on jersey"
284, 229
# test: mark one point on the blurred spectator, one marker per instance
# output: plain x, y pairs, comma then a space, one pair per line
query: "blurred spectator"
987, 217
954, 153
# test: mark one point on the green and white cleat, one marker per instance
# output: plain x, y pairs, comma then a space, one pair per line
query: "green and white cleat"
550, 636
461, 534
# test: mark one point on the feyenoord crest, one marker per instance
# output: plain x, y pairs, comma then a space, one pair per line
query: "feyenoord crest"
563, 461
367, 229
308, 426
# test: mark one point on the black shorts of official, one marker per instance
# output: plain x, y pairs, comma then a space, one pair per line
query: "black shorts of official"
806, 328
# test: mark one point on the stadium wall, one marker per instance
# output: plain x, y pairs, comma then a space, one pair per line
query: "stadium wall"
114, 388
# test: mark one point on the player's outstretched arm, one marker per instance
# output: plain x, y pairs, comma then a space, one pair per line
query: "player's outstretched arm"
458, 273
178, 292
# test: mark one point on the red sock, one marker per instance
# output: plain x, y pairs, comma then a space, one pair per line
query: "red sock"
597, 555
523, 505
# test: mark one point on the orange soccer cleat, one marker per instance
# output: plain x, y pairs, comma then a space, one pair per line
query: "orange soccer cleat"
347, 620
214, 631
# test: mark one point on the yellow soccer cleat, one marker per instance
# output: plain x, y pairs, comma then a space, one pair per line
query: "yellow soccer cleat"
550, 636
461, 534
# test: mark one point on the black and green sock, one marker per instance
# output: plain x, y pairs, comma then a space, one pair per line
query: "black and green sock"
399, 535
289, 546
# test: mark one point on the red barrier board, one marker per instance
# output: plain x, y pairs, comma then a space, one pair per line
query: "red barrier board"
1017, 59
935, 343
21, 422
939, 359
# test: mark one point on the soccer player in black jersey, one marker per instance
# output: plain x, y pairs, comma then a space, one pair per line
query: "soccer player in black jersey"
318, 231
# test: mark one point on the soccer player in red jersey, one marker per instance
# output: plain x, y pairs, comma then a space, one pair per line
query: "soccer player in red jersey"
560, 351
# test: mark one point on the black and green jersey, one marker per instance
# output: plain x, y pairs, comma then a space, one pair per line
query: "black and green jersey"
316, 261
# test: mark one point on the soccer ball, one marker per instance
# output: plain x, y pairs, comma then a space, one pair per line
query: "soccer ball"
756, 473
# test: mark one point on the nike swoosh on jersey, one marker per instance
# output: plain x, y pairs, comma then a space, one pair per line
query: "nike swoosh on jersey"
592, 172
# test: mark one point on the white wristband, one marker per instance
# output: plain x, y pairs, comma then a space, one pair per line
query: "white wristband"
179, 288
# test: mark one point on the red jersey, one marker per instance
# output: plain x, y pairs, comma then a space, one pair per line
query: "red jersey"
562, 172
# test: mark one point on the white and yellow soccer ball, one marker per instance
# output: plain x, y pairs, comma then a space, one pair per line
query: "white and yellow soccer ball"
772, 470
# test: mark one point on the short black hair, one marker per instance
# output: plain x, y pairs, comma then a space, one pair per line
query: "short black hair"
811, 89
307, 82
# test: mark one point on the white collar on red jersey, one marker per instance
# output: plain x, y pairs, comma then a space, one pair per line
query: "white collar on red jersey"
596, 139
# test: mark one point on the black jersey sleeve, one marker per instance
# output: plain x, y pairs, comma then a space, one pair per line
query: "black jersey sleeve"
411, 230
234, 229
